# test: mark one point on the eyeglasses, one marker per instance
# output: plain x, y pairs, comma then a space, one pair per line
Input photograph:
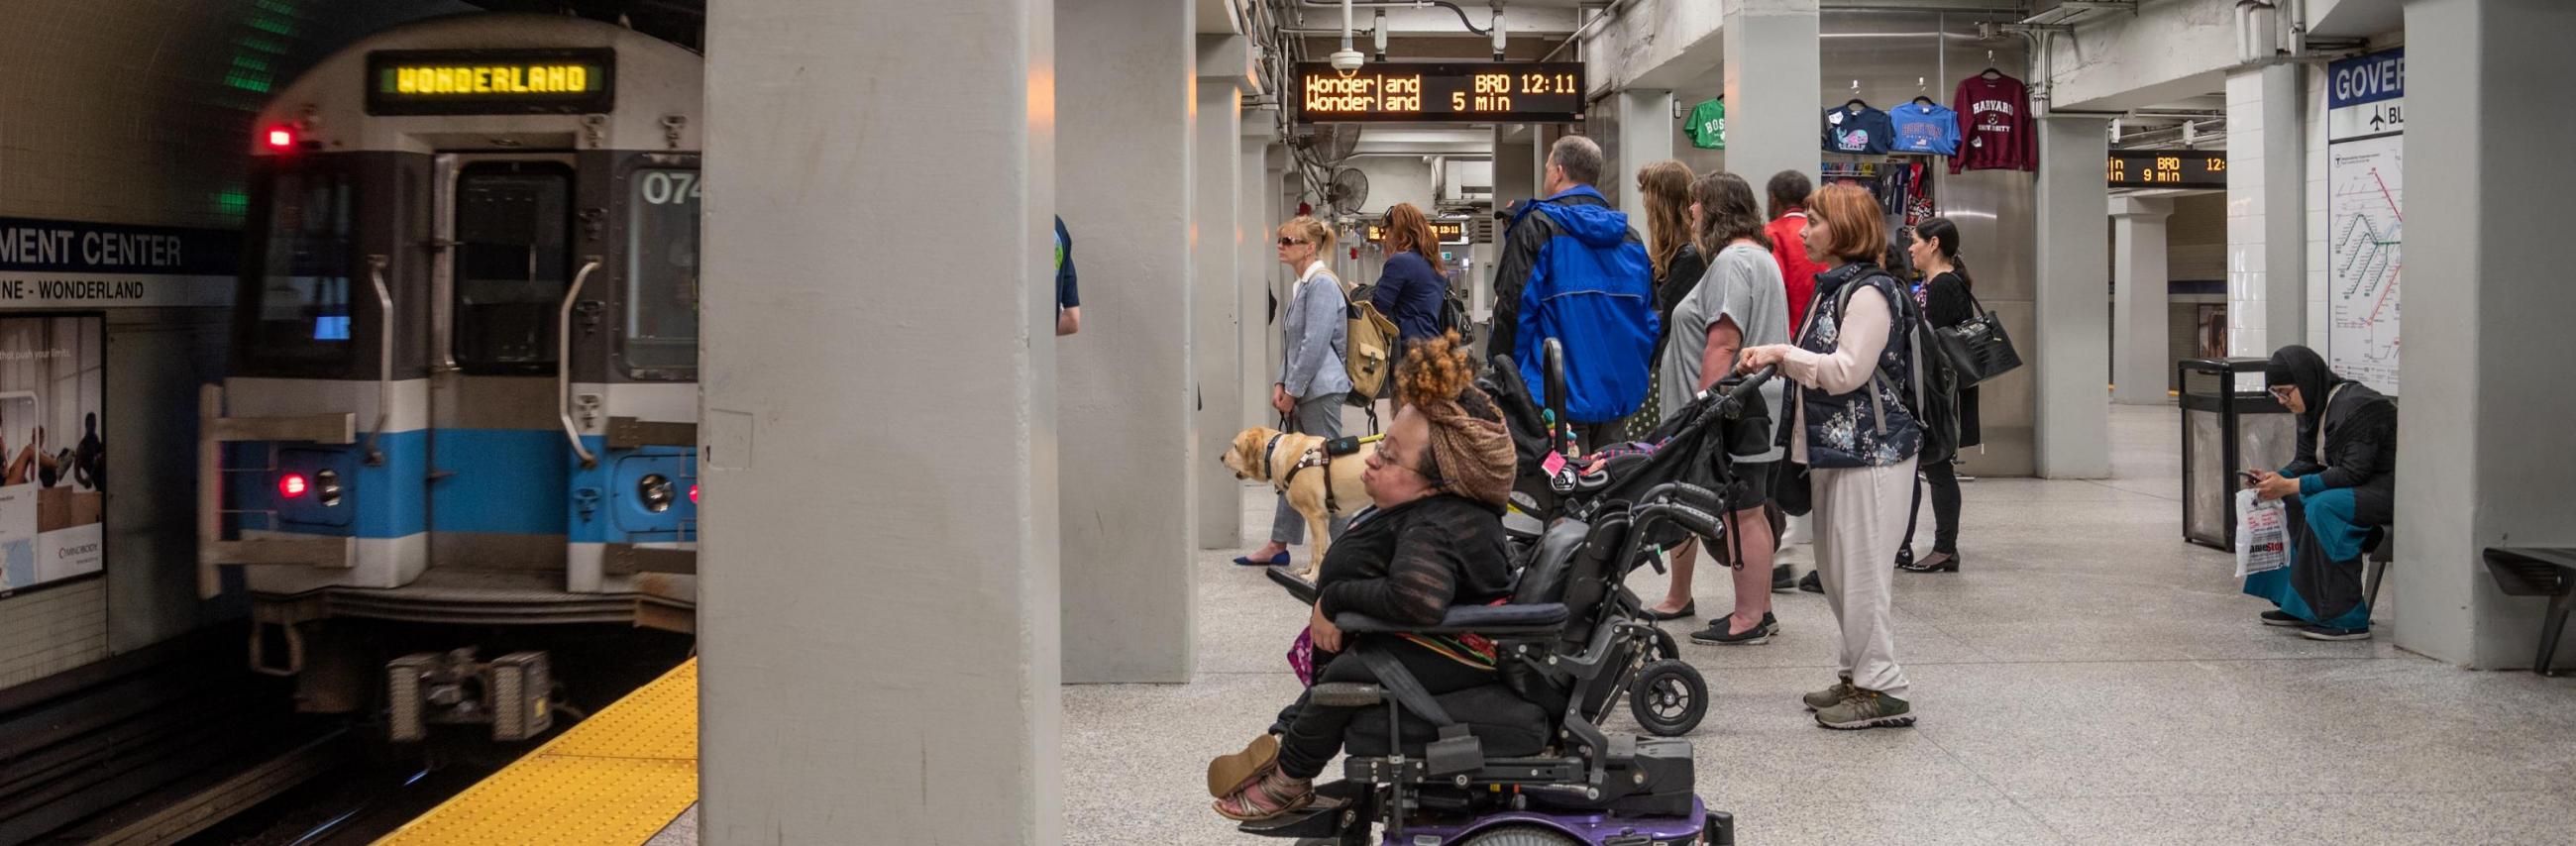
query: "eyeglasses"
2282, 392
1284, 241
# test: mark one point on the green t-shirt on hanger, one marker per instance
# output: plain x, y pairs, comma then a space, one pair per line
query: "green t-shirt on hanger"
1707, 126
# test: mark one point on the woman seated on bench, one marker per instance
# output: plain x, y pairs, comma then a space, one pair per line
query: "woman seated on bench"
1433, 540
2340, 486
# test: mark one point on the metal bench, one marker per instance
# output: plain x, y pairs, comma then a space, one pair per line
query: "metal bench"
2538, 571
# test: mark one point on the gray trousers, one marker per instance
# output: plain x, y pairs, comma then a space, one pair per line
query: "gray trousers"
1860, 521
1321, 417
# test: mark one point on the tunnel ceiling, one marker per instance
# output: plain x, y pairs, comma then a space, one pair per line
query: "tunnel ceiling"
681, 22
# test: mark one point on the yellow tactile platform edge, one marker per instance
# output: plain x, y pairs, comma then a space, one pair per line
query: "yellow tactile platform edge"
614, 780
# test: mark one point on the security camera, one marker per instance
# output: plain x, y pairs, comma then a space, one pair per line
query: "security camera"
1347, 62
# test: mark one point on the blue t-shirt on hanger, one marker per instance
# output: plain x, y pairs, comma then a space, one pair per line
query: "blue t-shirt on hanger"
1925, 128
1856, 128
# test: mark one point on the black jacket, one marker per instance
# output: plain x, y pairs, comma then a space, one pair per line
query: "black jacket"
2360, 434
1413, 562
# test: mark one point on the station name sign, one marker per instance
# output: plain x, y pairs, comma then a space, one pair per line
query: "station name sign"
2167, 169
477, 82
76, 264
1451, 92
1448, 231
2366, 96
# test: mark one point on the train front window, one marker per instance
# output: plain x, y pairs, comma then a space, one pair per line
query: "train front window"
662, 273
513, 262
305, 266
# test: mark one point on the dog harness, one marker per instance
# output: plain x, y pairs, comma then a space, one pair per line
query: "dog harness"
1315, 456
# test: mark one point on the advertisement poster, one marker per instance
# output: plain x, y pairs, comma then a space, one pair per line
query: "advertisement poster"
52, 450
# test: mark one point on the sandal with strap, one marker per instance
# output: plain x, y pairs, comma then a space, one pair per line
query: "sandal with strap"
1229, 774
1272, 796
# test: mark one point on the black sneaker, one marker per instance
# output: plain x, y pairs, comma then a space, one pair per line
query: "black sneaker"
2277, 618
2332, 633
1784, 578
1905, 557
1812, 583
1717, 632
1937, 562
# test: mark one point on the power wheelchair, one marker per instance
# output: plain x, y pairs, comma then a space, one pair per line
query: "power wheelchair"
1524, 761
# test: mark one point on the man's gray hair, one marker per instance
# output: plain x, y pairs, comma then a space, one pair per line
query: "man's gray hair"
1578, 157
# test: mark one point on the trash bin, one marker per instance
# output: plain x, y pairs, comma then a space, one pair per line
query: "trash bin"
2229, 423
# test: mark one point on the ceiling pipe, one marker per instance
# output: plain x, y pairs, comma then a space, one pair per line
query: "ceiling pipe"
1399, 4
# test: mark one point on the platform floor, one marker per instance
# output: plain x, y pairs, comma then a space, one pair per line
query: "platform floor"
2089, 678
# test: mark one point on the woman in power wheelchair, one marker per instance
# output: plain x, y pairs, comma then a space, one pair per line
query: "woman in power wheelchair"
1465, 728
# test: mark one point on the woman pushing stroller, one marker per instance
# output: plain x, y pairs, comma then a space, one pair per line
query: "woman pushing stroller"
1431, 540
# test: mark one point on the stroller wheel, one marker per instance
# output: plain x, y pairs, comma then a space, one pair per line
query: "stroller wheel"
1668, 698
1665, 646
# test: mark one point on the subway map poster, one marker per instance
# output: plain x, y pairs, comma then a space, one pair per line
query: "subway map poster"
2365, 216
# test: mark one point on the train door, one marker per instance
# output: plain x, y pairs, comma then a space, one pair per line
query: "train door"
634, 513
497, 455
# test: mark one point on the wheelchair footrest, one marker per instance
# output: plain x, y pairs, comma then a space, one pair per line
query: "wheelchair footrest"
1336, 809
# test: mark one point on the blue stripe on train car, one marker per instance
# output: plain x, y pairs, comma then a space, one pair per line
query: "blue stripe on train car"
503, 480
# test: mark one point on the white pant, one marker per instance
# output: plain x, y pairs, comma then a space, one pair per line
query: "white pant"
1860, 521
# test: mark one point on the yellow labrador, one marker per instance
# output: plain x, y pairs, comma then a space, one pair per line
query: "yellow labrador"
1295, 464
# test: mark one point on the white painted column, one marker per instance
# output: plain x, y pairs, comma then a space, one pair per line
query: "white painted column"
2141, 368
2266, 211
2484, 455
886, 300
2072, 348
1216, 400
1773, 72
1124, 169
1645, 137
1518, 166
1252, 274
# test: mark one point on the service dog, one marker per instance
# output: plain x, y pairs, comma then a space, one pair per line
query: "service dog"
1318, 486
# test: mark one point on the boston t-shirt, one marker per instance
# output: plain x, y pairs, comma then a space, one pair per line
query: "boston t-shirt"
1857, 128
1707, 126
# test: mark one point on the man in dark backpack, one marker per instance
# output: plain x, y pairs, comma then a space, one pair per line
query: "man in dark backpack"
1571, 270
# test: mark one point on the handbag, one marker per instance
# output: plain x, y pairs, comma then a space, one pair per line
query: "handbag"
1977, 348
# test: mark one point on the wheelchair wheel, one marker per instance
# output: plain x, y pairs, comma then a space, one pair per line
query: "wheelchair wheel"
1668, 698
1520, 835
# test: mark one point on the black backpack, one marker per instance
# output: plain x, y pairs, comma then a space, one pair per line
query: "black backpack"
1453, 315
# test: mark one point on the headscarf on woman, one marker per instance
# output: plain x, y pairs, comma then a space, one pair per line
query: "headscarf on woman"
1471, 450
2300, 367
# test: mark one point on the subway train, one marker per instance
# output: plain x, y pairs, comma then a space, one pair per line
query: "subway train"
462, 391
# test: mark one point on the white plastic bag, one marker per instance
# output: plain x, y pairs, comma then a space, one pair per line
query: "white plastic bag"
2262, 534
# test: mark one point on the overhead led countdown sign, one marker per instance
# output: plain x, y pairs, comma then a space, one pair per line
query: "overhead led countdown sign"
1448, 231
1450, 92
491, 82
2167, 169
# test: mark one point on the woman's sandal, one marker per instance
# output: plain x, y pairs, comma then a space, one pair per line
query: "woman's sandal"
1266, 798
1231, 773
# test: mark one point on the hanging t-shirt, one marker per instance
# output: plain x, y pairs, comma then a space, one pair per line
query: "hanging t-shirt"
1857, 128
1925, 128
1707, 126
1995, 128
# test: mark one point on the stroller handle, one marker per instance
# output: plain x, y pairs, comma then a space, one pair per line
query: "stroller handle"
1734, 399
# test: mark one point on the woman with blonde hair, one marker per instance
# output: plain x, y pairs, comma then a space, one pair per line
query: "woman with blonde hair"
1313, 383
1849, 424
1678, 264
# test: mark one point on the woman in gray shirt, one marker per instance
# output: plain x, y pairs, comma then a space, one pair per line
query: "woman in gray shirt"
1313, 382
1740, 302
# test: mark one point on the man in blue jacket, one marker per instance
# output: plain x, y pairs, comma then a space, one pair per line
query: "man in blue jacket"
1573, 271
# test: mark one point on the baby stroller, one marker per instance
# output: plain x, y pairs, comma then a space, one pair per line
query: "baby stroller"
1518, 762
1557, 492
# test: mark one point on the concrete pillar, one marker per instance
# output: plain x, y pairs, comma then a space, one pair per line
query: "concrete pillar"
1216, 400
2266, 211
1645, 137
858, 317
1518, 166
1774, 73
2484, 455
1124, 164
2140, 363
1252, 276
2071, 351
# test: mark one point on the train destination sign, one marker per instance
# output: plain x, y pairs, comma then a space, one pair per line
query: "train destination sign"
2167, 169
1448, 231
1446, 92
499, 82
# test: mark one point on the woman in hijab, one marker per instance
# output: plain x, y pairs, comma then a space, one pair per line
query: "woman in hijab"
1432, 540
2341, 486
